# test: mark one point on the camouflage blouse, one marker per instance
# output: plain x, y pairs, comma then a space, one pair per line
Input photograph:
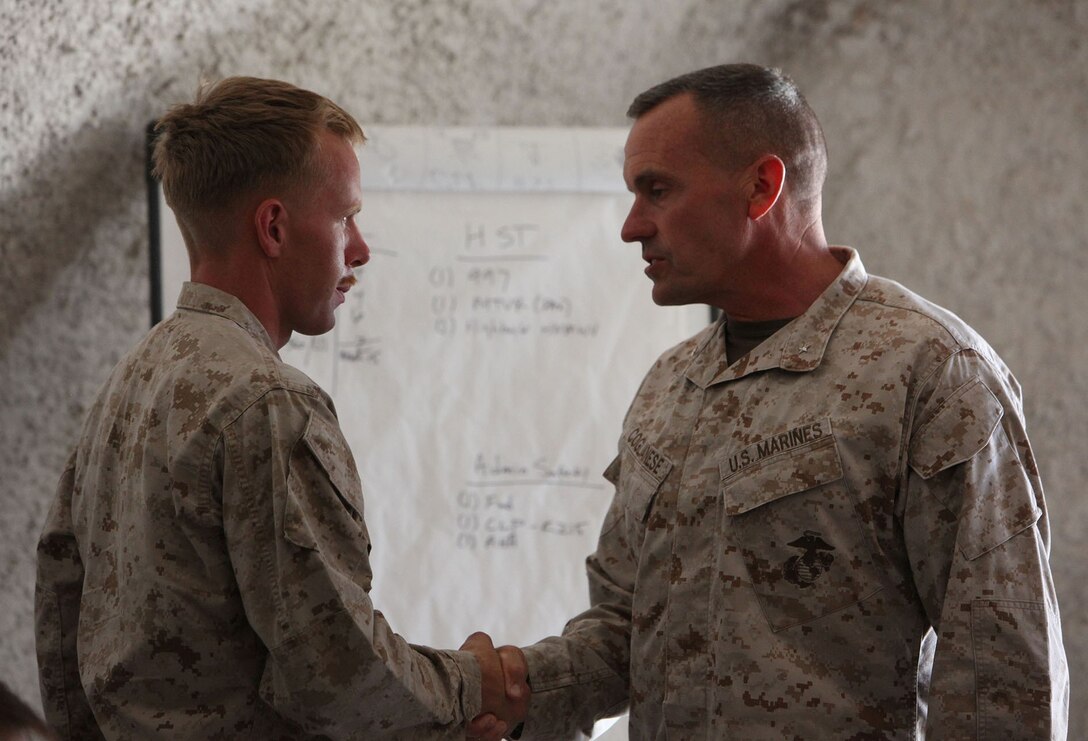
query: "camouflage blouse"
841, 535
204, 571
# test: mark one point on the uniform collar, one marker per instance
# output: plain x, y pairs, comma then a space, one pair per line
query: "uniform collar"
205, 299
797, 347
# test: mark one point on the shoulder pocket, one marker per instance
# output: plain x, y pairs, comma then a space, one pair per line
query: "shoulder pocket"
960, 429
324, 494
327, 445
996, 497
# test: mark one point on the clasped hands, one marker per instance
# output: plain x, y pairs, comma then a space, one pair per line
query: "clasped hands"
504, 675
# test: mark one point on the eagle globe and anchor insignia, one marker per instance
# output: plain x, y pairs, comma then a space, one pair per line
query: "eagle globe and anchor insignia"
803, 570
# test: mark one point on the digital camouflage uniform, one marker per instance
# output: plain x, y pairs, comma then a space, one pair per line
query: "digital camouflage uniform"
204, 570
840, 536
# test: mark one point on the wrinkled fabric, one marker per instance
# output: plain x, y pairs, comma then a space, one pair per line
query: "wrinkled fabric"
841, 535
204, 570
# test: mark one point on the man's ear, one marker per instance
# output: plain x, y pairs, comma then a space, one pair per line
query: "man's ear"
270, 221
768, 179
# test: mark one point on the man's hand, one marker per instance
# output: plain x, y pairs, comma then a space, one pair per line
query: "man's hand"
505, 688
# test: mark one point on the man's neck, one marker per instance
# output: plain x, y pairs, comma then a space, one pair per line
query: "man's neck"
784, 287
249, 284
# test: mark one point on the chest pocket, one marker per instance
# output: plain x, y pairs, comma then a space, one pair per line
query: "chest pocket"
800, 533
637, 488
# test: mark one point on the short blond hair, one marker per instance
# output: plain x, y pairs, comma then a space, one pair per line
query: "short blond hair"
239, 135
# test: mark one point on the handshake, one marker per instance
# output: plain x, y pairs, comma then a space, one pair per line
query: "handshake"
505, 682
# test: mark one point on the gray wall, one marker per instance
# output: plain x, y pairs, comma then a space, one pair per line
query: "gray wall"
958, 166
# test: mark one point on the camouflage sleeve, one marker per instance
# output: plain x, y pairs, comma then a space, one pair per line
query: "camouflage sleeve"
976, 531
582, 675
56, 618
293, 519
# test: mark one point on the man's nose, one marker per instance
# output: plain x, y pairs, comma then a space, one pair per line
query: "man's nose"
636, 227
358, 253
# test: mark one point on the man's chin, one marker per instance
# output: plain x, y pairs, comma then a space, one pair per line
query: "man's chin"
662, 297
665, 298
317, 327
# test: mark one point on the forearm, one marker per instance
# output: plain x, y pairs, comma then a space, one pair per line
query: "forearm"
348, 673
582, 675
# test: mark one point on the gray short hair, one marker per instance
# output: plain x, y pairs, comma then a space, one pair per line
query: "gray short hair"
750, 111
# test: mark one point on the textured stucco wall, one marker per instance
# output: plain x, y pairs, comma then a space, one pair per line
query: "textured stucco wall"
956, 132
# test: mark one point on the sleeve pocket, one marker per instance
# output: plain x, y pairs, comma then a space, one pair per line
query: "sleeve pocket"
960, 429
1011, 655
